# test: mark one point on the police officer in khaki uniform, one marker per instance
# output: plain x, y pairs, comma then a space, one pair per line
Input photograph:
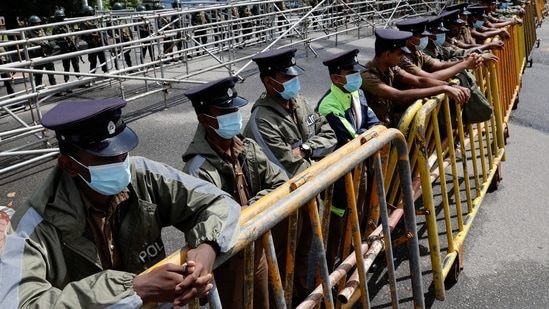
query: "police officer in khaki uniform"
436, 50
292, 136
237, 165
96, 222
479, 31
459, 35
436, 47
382, 79
418, 63
494, 22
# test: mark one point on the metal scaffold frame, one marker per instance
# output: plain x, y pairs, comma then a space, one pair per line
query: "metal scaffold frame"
219, 39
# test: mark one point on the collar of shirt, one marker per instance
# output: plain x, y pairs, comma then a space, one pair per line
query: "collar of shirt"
237, 147
386, 76
103, 225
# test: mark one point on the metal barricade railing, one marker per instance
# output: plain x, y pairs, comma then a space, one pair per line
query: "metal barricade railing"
541, 10
530, 36
302, 191
462, 161
511, 64
219, 40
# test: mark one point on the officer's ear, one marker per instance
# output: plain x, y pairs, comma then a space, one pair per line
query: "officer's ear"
201, 119
338, 78
267, 80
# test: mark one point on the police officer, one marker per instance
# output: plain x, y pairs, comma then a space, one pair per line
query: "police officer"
237, 165
94, 39
123, 35
247, 26
96, 221
164, 23
180, 26
67, 44
435, 49
346, 109
382, 79
220, 29
494, 22
144, 32
418, 63
293, 136
200, 19
438, 48
459, 35
479, 31
45, 50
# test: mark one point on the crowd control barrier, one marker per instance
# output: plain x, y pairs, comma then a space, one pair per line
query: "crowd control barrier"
459, 162
162, 40
433, 155
302, 191
506, 73
541, 10
530, 36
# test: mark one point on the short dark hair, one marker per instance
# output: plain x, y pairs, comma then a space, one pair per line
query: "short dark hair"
69, 149
262, 75
334, 70
380, 48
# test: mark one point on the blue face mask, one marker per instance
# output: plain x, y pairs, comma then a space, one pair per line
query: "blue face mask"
441, 38
354, 81
108, 179
291, 88
229, 124
478, 24
503, 5
422, 43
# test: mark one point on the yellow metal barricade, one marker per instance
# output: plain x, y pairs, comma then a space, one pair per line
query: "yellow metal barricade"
507, 74
540, 11
529, 26
303, 191
471, 155
391, 180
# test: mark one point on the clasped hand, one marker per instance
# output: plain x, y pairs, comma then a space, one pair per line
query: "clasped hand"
178, 284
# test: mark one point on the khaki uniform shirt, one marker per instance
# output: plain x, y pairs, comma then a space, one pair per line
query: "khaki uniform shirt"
417, 61
372, 79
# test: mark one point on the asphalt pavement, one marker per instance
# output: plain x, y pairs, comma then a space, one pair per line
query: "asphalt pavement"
506, 251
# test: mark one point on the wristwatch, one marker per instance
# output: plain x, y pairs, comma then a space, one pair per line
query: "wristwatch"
306, 148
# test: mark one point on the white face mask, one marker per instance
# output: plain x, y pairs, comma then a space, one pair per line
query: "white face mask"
108, 179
